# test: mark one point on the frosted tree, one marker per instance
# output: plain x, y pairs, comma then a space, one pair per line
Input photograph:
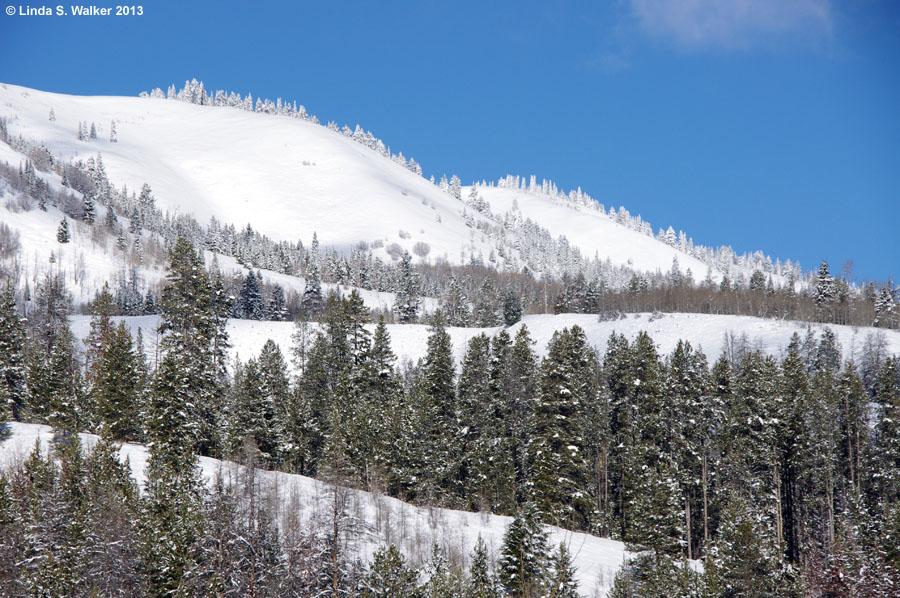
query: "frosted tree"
456, 187
406, 302
62, 232
312, 302
13, 387
112, 132
52, 116
522, 567
93, 134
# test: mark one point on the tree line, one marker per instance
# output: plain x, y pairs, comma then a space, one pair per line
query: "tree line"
785, 470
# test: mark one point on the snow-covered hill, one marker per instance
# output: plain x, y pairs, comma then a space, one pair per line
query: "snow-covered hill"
414, 530
288, 178
711, 333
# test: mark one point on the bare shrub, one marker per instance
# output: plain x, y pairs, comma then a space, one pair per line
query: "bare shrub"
9, 241
421, 249
395, 251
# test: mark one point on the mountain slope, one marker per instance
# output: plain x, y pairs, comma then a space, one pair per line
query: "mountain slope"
288, 178
385, 520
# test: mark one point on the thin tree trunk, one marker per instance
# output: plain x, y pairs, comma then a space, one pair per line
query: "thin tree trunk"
705, 503
687, 522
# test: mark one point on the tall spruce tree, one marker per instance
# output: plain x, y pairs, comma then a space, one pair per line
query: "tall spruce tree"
560, 472
13, 387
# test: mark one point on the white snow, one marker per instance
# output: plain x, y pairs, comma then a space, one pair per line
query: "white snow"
410, 341
289, 178
386, 520
592, 231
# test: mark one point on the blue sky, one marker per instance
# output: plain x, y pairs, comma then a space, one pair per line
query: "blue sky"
763, 124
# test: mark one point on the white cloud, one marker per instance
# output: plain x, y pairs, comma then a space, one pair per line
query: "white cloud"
732, 23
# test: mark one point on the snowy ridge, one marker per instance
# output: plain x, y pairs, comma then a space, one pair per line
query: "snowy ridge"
289, 177
386, 520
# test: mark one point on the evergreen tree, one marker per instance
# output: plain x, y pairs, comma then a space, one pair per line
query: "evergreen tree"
88, 208
562, 582
277, 308
560, 473
522, 567
427, 461
65, 412
117, 390
406, 302
13, 388
512, 308
390, 577
62, 233
191, 372
481, 582
312, 302
250, 303
485, 470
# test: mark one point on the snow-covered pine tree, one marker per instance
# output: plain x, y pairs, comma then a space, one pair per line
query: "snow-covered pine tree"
522, 567
88, 208
277, 308
12, 356
560, 477
390, 577
117, 387
113, 138
562, 582
455, 187
481, 583
62, 232
312, 302
406, 302
250, 304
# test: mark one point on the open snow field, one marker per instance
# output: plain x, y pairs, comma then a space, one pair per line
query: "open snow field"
409, 341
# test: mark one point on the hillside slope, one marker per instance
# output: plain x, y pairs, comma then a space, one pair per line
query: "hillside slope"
288, 178
385, 520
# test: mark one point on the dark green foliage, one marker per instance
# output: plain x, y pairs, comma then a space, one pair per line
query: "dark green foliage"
13, 387
118, 392
562, 582
560, 475
390, 577
522, 568
406, 302
481, 584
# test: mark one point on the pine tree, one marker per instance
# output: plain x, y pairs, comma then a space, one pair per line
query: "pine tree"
390, 577
117, 387
485, 470
512, 308
562, 582
522, 567
312, 302
191, 372
481, 583
277, 309
442, 581
426, 467
88, 209
62, 233
560, 473
13, 387
250, 304
65, 412
406, 302
455, 305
